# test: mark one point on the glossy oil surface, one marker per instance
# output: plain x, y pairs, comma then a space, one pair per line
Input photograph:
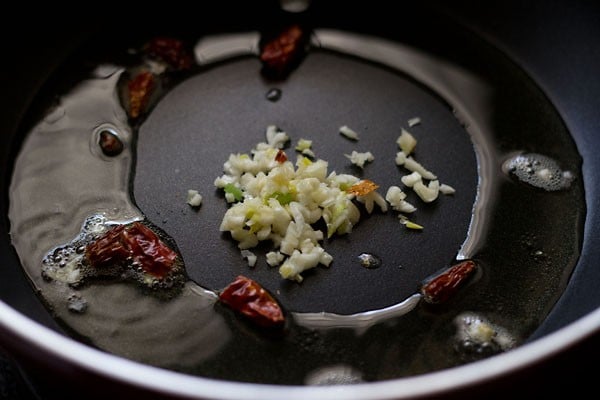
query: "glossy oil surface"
509, 248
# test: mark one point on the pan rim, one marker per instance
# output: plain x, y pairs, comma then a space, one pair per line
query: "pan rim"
56, 346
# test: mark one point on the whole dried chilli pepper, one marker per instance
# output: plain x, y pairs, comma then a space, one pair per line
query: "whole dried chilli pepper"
108, 249
139, 91
445, 285
281, 53
171, 51
248, 298
134, 244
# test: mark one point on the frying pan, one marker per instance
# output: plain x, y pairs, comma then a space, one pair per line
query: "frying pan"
570, 321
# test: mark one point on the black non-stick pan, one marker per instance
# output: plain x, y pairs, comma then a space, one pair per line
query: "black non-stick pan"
505, 99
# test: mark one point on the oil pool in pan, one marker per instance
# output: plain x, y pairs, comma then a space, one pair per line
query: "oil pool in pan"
347, 323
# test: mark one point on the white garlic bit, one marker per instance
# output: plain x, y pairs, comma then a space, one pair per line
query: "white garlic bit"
427, 193
360, 159
447, 189
250, 256
275, 137
372, 198
396, 197
194, 198
414, 121
349, 133
412, 165
406, 141
411, 179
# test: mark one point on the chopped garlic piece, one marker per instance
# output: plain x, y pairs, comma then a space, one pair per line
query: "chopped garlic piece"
480, 331
349, 133
194, 198
372, 198
414, 121
360, 159
275, 137
274, 258
405, 207
410, 180
400, 158
412, 165
303, 147
396, 197
279, 201
250, 256
447, 189
309, 256
406, 142
427, 193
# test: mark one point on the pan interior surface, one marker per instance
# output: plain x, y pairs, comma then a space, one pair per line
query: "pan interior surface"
225, 110
477, 116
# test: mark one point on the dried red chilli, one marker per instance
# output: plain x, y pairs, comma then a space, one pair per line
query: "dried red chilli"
445, 285
171, 51
139, 90
107, 250
134, 244
248, 298
284, 51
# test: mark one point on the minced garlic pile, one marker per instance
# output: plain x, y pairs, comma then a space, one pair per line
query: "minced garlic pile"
274, 199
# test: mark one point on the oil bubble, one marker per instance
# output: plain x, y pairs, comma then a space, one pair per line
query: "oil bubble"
273, 94
294, 6
77, 304
476, 337
539, 171
334, 375
110, 143
369, 261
